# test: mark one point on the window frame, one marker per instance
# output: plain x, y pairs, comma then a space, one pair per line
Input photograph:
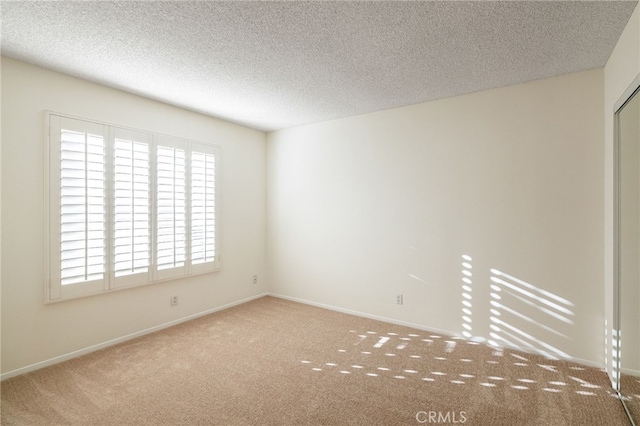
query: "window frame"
54, 290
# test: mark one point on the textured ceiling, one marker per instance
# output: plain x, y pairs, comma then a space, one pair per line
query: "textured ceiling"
273, 65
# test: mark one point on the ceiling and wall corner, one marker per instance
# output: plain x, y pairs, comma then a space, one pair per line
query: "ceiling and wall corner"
274, 65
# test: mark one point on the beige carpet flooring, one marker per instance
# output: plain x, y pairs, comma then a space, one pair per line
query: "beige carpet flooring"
276, 362
630, 386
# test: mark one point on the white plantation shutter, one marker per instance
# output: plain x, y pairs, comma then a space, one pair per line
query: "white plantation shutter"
171, 198
82, 207
126, 208
78, 210
131, 207
203, 208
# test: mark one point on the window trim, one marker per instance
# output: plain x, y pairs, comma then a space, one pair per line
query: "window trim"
54, 291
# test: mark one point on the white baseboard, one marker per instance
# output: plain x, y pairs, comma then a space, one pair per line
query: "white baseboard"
365, 315
580, 361
630, 372
87, 350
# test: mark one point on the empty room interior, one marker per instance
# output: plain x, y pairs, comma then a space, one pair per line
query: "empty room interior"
241, 213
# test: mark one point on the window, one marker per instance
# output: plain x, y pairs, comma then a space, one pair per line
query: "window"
126, 208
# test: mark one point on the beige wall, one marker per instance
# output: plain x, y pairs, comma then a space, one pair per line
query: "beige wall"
33, 332
366, 207
621, 69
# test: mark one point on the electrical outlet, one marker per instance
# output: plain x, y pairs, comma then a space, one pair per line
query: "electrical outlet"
174, 300
399, 300
255, 279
